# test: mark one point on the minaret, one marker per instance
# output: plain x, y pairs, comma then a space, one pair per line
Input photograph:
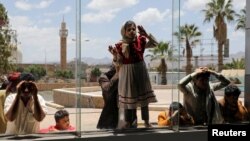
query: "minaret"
63, 43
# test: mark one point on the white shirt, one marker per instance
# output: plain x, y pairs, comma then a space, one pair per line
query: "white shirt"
25, 123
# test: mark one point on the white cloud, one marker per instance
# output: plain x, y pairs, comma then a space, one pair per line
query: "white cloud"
151, 15
23, 21
111, 4
98, 17
209, 30
178, 14
106, 10
66, 10
45, 21
23, 5
194, 4
20, 21
237, 35
44, 4
239, 4
100, 44
27, 5
39, 39
200, 4
35, 39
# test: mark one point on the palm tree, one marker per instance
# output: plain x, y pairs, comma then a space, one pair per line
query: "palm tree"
219, 10
236, 64
188, 34
162, 51
95, 73
241, 20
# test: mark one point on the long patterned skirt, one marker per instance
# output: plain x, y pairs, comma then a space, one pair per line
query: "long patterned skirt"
134, 86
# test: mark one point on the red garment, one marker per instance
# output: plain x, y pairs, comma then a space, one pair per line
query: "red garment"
14, 76
136, 50
53, 128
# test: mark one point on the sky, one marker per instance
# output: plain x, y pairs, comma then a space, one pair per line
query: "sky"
38, 22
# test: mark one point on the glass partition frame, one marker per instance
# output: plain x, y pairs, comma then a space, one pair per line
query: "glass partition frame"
175, 46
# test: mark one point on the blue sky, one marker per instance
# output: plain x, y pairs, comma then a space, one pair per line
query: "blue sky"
37, 23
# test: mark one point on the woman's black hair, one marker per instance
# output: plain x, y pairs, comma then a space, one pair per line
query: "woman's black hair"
204, 75
175, 106
27, 77
232, 90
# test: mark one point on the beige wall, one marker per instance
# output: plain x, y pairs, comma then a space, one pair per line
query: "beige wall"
51, 86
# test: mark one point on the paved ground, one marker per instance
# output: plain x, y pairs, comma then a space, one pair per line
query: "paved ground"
89, 116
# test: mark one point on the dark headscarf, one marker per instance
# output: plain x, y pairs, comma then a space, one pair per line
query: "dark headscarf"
111, 72
175, 106
27, 77
232, 90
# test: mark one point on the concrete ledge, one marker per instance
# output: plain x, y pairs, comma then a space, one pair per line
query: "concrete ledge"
164, 86
68, 98
54, 105
91, 97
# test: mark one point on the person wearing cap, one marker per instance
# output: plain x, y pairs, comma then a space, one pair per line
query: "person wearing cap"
232, 108
24, 108
176, 113
198, 95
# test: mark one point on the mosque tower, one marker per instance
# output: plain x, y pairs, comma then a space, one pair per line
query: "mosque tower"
63, 43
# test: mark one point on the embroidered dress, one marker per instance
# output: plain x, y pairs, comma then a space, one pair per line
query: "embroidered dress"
134, 86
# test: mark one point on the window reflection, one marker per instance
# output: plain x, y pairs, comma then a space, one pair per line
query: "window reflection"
56, 59
68, 55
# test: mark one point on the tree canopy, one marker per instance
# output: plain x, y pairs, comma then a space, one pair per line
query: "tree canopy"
6, 42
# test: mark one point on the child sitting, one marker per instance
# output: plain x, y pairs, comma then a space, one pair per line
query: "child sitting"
232, 107
62, 123
170, 117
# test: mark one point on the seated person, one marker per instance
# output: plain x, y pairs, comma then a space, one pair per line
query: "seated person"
62, 123
231, 107
167, 118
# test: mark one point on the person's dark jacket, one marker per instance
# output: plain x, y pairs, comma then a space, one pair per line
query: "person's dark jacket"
109, 115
